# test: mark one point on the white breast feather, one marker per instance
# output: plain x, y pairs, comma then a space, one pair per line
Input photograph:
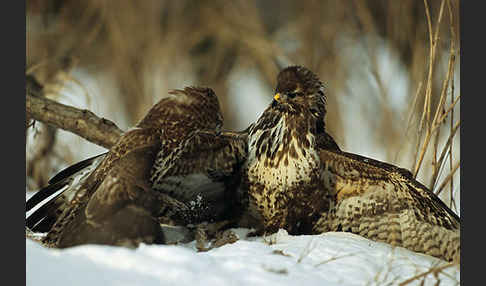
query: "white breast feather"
297, 169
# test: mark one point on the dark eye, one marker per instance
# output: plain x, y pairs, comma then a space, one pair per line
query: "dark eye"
292, 94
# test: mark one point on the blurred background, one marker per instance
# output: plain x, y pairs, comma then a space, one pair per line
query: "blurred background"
391, 71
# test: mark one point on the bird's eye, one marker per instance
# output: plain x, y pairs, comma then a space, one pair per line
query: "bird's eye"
292, 94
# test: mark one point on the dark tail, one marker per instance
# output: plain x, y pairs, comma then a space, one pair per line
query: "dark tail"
65, 182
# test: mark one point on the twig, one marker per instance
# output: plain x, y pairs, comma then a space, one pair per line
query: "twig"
307, 250
409, 121
449, 177
80, 122
451, 107
426, 113
435, 124
414, 103
428, 92
452, 203
334, 258
435, 164
446, 146
443, 93
453, 51
432, 270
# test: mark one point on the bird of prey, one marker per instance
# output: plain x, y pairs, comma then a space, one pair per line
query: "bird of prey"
298, 179
175, 166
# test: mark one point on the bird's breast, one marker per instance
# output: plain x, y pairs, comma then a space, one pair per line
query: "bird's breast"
282, 160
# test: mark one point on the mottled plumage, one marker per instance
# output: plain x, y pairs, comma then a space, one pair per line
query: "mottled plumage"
174, 166
298, 179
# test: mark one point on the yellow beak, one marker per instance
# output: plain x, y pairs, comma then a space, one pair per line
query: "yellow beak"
276, 96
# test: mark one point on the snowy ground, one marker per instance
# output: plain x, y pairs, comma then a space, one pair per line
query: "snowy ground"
328, 259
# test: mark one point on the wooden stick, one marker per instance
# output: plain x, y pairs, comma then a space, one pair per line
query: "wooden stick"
83, 123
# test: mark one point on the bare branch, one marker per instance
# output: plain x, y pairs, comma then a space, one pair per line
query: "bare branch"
428, 92
434, 270
453, 52
448, 178
84, 123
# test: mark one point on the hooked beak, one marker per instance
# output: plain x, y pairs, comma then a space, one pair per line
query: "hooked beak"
277, 97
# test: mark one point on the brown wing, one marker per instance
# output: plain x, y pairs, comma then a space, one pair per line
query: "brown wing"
45, 210
373, 172
121, 210
131, 141
207, 150
125, 183
80, 179
384, 203
326, 142
116, 180
202, 171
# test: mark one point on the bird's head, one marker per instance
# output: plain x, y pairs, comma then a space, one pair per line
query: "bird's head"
193, 108
204, 106
296, 113
299, 90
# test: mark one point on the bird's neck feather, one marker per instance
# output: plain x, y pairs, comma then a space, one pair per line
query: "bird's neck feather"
277, 136
282, 151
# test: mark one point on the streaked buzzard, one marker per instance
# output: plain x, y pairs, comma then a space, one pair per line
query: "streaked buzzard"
298, 179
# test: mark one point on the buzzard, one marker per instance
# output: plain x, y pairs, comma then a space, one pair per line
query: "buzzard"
297, 178
175, 166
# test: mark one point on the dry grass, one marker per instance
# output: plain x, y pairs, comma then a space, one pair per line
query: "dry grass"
434, 270
147, 47
433, 120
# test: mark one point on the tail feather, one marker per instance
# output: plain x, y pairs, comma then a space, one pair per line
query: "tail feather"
42, 219
66, 182
73, 169
42, 195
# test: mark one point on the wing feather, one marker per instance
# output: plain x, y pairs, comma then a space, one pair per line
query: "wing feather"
66, 183
385, 203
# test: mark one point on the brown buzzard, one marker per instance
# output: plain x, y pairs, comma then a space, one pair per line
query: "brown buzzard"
298, 179
174, 166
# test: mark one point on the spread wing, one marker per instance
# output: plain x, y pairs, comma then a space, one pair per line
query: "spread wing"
61, 190
202, 172
123, 154
125, 183
384, 203
121, 209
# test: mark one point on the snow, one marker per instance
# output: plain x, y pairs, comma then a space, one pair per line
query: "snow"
334, 258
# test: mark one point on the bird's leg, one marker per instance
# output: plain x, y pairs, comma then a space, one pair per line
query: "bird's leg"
264, 228
214, 228
205, 232
224, 237
202, 237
